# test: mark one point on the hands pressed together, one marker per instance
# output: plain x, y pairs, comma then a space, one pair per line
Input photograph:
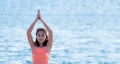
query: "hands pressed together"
38, 17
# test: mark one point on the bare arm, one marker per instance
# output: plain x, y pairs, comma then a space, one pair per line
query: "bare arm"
29, 36
50, 33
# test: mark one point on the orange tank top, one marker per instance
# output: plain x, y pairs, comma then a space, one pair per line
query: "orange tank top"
40, 55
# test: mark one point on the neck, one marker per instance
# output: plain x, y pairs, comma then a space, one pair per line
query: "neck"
41, 45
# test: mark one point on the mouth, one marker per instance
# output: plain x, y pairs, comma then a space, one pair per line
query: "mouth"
41, 40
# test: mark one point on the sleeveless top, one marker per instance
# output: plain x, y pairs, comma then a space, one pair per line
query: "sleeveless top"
40, 55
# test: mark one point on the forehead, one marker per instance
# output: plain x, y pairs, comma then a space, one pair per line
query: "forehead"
41, 32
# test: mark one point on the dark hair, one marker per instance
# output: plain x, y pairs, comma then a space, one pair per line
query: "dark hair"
45, 42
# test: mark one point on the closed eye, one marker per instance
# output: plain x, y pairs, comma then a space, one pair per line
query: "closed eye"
43, 35
38, 35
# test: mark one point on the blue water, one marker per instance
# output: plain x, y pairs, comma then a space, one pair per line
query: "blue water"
85, 31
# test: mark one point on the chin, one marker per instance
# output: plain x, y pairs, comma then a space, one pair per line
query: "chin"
41, 41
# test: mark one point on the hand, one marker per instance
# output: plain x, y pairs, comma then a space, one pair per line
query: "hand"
38, 15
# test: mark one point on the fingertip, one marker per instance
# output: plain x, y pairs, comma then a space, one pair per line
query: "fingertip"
38, 9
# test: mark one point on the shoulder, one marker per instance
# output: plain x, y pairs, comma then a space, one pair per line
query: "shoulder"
33, 47
48, 48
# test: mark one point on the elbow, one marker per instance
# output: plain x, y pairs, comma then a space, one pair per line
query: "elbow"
51, 31
28, 31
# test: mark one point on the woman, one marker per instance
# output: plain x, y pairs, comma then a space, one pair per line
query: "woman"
42, 46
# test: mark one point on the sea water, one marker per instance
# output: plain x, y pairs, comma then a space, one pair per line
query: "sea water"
84, 31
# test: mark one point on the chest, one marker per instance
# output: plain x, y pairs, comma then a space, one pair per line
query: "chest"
39, 51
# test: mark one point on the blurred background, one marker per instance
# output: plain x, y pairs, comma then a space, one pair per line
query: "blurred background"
85, 31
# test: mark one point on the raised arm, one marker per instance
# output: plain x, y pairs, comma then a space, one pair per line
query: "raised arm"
50, 33
29, 36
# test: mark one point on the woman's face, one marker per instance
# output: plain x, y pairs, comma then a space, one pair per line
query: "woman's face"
41, 36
